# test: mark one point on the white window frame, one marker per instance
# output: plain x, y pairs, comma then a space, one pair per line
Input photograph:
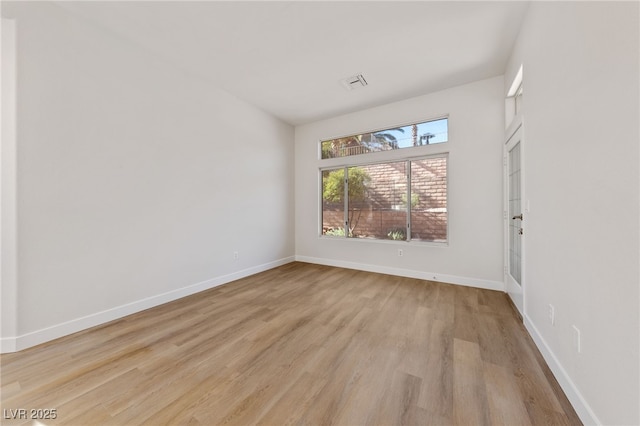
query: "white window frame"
434, 151
404, 152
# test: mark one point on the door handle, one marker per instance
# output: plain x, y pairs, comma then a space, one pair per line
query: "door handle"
518, 217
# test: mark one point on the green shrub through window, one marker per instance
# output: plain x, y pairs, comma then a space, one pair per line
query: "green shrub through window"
375, 205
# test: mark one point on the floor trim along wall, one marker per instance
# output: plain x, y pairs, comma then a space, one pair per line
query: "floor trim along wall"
13, 344
7, 345
583, 409
409, 273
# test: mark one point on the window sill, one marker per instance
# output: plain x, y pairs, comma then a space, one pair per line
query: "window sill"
416, 243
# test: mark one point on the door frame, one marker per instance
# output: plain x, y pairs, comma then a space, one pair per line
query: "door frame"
516, 293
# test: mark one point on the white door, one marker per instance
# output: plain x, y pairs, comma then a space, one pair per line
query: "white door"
514, 218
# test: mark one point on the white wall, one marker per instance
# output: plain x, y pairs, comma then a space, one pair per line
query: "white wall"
474, 253
135, 179
8, 260
581, 134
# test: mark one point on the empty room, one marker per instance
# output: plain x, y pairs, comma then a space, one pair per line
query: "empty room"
320, 212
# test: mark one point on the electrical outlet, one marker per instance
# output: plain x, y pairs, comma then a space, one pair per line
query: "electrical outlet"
577, 339
400, 253
552, 314
235, 255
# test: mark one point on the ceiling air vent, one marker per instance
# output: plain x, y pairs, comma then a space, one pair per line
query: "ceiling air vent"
354, 82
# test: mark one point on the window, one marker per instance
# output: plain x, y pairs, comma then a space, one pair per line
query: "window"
513, 101
419, 134
518, 100
396, 200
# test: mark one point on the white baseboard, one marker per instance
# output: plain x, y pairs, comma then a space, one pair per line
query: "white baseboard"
13, 344
7, 345
584, 411
409, 273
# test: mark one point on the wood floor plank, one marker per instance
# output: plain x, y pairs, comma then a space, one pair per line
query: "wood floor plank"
399, 401
302, 394
436, 395
298, 344
470, 405
506, 404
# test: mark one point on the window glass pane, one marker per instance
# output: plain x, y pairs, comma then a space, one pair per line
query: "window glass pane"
377, 201
333, 202
429, 199
419, 134
518, 99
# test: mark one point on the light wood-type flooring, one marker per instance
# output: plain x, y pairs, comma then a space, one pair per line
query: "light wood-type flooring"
299, 344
